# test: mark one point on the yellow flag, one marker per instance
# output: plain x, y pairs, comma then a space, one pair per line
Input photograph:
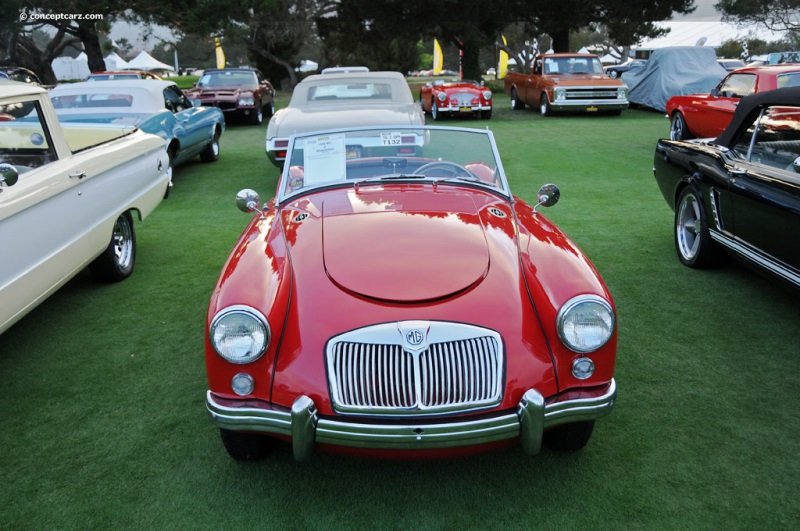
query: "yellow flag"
438, 58
220, 53
502, 68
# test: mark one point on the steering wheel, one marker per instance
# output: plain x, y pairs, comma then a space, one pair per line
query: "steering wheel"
453, 169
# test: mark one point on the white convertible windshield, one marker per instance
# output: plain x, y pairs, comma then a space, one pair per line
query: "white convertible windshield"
358, 156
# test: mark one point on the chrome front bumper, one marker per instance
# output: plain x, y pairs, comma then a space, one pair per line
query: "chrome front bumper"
306, 428
579, 105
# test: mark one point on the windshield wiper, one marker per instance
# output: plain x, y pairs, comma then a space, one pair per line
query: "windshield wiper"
390, 177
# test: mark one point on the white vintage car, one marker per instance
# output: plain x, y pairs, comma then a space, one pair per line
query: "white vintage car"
353, 98
68, 198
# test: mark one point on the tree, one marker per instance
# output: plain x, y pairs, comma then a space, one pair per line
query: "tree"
776, 15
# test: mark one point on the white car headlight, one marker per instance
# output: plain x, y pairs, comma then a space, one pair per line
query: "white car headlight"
240, 334
441, 96
247, 100
622, 93
585, 323
559, 94
487, 95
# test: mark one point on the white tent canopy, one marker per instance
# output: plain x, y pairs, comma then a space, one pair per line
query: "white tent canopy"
68, 68
115, 62
145, 61
709, 33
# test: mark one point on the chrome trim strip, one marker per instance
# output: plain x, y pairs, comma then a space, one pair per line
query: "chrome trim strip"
528, 423
772, 265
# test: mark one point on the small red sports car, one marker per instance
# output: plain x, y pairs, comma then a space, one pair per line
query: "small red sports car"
460, 96
707, 115
396, 300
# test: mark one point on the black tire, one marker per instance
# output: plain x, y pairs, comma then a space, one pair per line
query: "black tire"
678, 130
569, 437
435, 114
258, 116
269, 109
246, 446
544, 106
117, 261
516, 103
693, 242
211, 151
422, 105
486, 115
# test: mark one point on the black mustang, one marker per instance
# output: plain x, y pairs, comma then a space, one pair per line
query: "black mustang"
741, 191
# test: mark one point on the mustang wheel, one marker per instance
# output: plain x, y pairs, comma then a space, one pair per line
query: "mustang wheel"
245, 446
211, 152
569, 437
544, 106
677, 128
116, 262
257, 117
516, 103
692, 240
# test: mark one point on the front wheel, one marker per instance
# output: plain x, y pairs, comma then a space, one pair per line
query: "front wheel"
435, 114
486, 115
245, 446
269, 109
544, 106
116, 262
569, 437
693, 242
678, 130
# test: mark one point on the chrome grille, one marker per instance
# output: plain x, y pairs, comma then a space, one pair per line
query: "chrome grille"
592, 94
454, 367
462, 99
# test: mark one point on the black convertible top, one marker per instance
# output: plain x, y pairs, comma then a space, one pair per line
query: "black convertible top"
751, 105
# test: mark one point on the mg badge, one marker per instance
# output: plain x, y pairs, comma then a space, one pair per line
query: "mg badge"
415, 337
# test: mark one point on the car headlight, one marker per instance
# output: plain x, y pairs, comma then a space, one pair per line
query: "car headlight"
559, 94
622, 93
441, 96
240, 334
585, 323
487, 95
246, 100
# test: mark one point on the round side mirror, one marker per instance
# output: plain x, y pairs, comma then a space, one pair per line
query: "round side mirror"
8, 175
548, 195
247, 200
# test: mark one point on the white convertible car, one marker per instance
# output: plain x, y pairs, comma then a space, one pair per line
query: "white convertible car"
352, 98
68, 198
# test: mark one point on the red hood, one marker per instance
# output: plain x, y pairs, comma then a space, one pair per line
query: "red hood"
373, 253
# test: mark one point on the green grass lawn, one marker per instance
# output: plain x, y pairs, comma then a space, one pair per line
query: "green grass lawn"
102, 407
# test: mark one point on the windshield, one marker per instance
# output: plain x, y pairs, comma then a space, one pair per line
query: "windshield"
360, 156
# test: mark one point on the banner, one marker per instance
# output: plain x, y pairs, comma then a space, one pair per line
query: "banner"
438, 58
502, 67
220, 53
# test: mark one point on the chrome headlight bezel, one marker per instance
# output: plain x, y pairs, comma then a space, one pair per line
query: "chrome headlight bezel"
441, 96
487, 95
559, 93
585, 323
622, 93
249, 324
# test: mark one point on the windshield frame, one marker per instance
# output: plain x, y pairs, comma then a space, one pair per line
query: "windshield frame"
501, 188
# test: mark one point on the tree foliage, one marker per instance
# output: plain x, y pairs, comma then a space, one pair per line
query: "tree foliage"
776, 15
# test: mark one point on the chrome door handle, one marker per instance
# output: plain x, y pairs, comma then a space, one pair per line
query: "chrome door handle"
77, 174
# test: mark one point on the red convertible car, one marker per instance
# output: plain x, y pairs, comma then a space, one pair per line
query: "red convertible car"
707, 115
460, 96
396, 300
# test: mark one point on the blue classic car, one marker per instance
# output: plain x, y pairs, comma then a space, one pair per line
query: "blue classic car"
157, 107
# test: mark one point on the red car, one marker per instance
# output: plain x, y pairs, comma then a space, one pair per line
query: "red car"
242, 93
460, 96
396, 300
707, 115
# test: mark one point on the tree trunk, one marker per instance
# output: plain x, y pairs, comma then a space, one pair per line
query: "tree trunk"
470, 60
560, 40
87, 33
